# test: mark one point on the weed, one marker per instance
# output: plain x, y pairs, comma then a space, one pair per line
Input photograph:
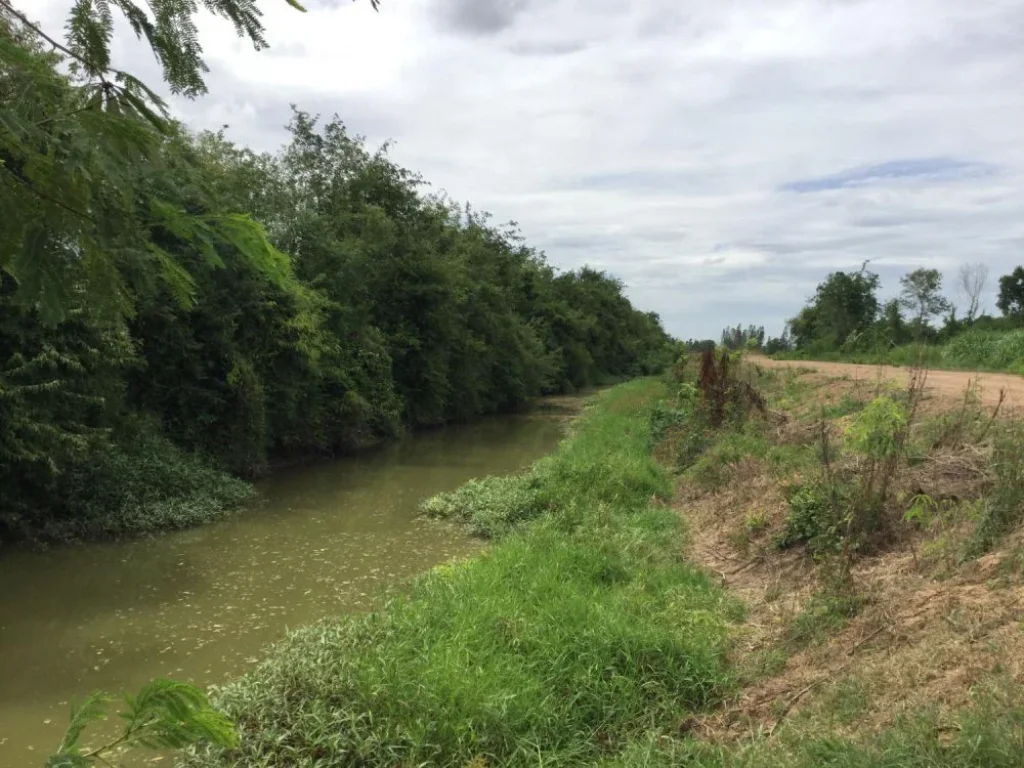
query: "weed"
756, 523
724, 395
818, 516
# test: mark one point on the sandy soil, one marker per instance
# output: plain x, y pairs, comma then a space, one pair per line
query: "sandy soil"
944, 385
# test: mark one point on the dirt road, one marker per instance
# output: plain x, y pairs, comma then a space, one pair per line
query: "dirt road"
944, 385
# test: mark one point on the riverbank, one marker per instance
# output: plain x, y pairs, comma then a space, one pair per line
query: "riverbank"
569, 637
201, 605
144, 485
803, 620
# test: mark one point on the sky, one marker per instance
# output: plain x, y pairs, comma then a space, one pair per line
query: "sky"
718, 156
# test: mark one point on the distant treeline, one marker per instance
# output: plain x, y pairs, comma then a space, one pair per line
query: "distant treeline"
846, 319
177, 311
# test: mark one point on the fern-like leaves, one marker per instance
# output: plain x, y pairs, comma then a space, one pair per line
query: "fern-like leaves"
165, 714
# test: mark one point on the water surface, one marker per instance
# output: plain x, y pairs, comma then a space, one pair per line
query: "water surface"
200, 605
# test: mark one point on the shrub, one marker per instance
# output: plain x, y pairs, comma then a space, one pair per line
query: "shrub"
879, 431
139, 483
818, 516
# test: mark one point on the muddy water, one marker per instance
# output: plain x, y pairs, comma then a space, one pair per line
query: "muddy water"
201, 604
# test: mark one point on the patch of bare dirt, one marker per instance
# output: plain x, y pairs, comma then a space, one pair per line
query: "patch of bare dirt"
946, 386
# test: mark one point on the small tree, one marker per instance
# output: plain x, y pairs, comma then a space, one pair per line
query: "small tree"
1011, 294
971, 282
844, 304
921, 294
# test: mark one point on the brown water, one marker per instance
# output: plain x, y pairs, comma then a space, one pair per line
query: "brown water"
200, 605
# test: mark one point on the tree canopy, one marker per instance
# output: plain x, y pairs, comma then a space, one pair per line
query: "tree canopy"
1011, 294
843, 305
176, 309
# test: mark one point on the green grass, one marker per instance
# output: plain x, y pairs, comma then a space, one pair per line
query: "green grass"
973, 350
571, 636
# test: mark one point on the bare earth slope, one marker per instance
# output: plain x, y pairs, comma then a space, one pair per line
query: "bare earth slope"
929, 629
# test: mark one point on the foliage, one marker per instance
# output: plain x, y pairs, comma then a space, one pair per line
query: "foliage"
817, 516
878, 431
843, 305
773, 345
562, 641
921, 294
245, 308
164, 714
977, 341
1011, 293
751, 337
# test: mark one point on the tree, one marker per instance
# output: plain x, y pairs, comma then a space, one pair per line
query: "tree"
971, 281
921, 294
1011, 294
78, 138
843, 305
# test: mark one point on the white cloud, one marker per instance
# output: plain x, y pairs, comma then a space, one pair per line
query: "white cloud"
656, 140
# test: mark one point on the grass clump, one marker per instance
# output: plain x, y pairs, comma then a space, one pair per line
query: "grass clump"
569, 637
490, 506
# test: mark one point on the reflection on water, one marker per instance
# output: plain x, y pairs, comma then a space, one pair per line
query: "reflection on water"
200, 604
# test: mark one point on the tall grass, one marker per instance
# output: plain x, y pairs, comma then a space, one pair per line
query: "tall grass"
974, 349
574, 634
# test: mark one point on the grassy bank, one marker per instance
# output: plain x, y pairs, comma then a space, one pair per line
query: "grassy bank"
578, 632
591, 634
974, 350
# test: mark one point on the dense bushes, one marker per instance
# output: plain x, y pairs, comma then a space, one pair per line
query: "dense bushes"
568, 637
250, 308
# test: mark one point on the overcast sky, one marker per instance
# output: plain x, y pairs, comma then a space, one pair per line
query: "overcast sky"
719, 156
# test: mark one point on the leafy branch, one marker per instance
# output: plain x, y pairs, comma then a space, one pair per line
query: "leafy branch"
165, 714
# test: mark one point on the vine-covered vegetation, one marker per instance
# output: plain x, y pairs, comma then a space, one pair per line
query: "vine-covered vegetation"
177, 311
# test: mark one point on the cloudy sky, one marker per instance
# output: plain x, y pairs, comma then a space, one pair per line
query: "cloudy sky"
720, 156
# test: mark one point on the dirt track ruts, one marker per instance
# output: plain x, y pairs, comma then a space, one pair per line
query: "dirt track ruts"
945, 385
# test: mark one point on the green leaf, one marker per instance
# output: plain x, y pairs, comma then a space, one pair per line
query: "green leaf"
91, 710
